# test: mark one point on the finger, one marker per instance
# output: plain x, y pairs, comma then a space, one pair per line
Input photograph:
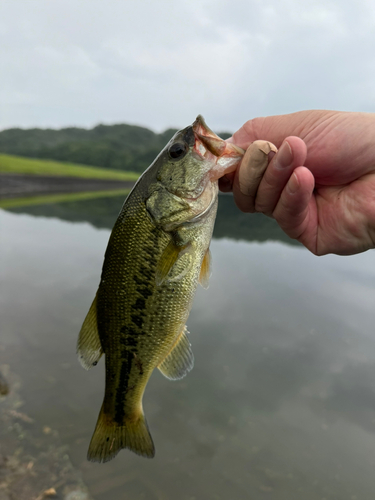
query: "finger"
272, 128
295, 211
276, 128
256, 160
291, 155
226, 182
250, 172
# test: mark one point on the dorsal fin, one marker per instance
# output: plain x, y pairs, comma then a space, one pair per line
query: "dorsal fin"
205, 273
89, 347
180, 359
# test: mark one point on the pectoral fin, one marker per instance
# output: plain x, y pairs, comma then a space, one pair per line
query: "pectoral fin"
180, 359
205, 272
89, 347
167, 261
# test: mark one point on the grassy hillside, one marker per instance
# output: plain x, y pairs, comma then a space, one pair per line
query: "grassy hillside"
18, 165
118, 147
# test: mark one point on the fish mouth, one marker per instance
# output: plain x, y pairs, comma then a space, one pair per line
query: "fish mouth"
223, 156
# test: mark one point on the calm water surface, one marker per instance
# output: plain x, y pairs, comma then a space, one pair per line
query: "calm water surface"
281, 402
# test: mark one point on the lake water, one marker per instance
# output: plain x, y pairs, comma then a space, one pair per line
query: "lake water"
281, 402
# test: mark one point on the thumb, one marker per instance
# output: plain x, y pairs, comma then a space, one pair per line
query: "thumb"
276, 128
273, 129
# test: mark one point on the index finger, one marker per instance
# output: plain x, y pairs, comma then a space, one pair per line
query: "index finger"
258, 189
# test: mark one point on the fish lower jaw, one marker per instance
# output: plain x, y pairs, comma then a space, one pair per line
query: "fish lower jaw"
224, 166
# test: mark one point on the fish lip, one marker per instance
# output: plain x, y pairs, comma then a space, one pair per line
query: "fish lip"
201, 127
201, 130
214, 146
223, 157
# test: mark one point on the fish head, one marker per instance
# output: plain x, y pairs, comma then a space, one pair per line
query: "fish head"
194, 157
188, 169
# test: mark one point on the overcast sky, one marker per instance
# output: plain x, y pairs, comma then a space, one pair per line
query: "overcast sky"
160, 63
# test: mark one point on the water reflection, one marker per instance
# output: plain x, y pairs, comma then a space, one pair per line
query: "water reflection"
102, 213
281, 402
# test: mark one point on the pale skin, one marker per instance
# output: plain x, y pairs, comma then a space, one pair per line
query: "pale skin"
320, 186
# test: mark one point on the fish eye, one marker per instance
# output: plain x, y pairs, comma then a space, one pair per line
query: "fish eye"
177, 150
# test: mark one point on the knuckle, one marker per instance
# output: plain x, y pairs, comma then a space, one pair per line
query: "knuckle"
263, 208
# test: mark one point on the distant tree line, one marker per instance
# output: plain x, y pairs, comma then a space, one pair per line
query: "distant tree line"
121, 147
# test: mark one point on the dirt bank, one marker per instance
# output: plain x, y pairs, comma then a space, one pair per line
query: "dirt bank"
34, 464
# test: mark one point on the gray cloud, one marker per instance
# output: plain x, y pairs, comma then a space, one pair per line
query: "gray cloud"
81, 62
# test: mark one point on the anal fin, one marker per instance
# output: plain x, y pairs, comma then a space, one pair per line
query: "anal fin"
89, 347
205, 273
180, 359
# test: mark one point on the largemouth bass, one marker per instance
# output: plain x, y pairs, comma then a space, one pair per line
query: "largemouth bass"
157, 254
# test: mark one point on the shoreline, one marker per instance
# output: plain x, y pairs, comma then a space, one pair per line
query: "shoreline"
21, 185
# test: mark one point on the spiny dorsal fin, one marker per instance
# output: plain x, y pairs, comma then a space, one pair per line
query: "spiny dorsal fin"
180, 359
89, 347
205, 273
169, 258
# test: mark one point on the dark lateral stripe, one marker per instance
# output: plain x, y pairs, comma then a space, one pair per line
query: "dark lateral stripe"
137, 320
151, 257
145, 292
139, 305
150, 251
129, 337
138, 280
130, 342
126, 360
128, 330
146, 272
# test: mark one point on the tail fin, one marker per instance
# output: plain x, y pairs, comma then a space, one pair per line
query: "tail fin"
109, 438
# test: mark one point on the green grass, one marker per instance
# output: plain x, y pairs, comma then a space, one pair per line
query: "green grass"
19, 165
60, 198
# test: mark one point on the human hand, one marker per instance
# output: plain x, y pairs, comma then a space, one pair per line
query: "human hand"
320, 186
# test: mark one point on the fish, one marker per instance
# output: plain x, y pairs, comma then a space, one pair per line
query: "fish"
157, 254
